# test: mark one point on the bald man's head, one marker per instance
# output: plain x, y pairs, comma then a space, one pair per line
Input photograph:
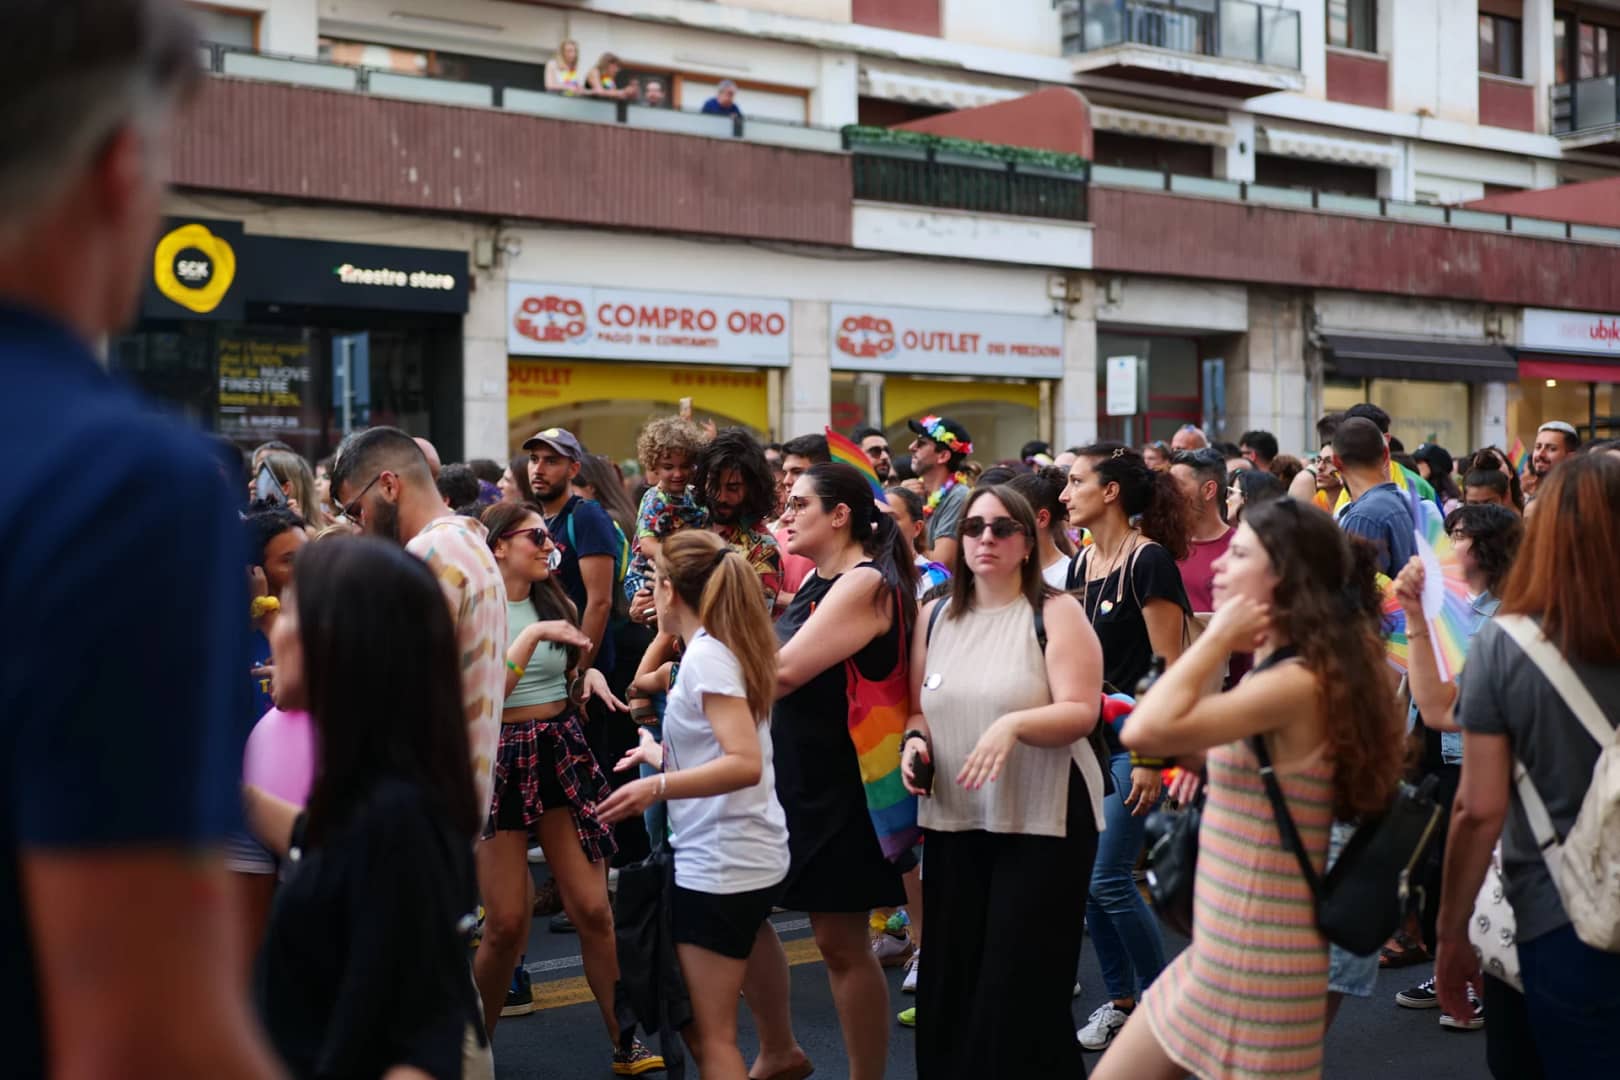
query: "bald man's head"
432, 455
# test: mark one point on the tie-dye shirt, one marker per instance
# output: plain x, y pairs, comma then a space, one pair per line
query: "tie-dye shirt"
454, 549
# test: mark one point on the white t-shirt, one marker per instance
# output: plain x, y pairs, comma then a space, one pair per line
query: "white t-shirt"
1057, 574
731, 843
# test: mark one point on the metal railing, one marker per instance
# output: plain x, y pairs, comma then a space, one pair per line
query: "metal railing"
1456, 217
303, 71
1588, 103
1226, 29
919, 176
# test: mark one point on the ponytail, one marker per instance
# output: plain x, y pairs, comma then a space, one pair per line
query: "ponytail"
1147, 494
716, 582
880, 538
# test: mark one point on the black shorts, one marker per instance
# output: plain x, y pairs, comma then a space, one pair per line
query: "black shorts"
723, 923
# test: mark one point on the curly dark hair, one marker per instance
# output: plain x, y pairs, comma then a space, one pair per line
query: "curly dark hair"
1327, 603
1144, 493
1495, 533
734, 448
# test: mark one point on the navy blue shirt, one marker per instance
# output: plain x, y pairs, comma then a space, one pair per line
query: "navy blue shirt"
712, 107
582, 529
123, 594
1384, 515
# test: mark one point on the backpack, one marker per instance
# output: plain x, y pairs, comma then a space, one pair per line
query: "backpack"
1098, 742
621, 566
1585, 865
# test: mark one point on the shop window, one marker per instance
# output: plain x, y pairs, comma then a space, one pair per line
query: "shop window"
224, 26
1420, 412
1594, 408
1291, 172
1160, 155
434, 63
1353, 24
1500, 46
1001, 416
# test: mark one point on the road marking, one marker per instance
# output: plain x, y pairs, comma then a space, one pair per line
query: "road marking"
561, 993
563, 963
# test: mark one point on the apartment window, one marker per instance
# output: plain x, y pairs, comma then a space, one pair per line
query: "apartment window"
1353, 24
223, 26
1595, 47
436, 63
1500, 51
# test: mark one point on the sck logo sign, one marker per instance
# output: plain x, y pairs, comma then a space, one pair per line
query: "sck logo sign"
866, 337
194, 268
553, 320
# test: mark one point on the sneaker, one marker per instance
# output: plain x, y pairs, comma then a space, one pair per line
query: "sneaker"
520, 995
908, 1017
1104, 1024
908, 985
1422, 996
892, 950
561, 924
1466, 1023
536, 855
635, 1060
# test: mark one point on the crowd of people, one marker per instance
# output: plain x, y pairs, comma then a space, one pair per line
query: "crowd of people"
281, 736
566, 74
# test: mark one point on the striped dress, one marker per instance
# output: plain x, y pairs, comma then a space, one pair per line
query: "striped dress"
1249, 998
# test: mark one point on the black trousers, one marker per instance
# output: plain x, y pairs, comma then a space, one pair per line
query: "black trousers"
1510, 1041
1450, 776
993, 997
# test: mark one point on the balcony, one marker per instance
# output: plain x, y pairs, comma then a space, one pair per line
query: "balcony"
957, 174
1586, 114
1230, 47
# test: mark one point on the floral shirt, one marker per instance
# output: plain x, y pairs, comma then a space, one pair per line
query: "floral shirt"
661, 515
759, 548
455, 550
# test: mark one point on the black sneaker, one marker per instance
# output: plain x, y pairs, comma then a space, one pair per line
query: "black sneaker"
520, 995
1422, 996
1473, 1022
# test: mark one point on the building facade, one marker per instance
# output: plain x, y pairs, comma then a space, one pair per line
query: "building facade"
1274, 221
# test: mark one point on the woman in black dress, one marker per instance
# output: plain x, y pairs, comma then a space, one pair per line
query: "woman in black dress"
363, 972
845, 624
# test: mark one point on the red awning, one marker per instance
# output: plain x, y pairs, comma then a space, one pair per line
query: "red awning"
1546, 367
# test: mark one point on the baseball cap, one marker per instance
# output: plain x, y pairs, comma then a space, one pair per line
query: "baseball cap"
945, 431
559, 439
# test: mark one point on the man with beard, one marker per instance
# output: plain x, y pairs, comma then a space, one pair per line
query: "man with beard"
583, 533
382, 483
875, 445
1555, 441
733, 482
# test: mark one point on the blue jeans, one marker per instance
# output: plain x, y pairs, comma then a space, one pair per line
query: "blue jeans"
1573, 994
1122, 927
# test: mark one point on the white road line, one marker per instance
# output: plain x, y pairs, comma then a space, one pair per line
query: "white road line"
564, 963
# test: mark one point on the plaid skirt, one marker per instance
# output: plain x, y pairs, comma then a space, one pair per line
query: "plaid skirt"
552, 755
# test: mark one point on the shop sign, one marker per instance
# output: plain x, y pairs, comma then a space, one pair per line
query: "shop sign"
194, 271
1570, 331
1121, 388
934, 341
624, 324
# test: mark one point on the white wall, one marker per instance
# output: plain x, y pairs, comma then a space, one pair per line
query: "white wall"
285, 26
1032, 26
826, 10
1434, 58
1365, 313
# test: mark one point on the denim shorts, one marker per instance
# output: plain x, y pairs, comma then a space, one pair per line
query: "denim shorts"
1348, 973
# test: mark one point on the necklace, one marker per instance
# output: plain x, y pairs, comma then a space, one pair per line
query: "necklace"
1093, 610
938, 496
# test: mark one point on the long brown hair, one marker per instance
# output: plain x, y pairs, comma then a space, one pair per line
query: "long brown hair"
1030, 581
1571, 549
1327, 602
548, 598
1145, 494
716, 582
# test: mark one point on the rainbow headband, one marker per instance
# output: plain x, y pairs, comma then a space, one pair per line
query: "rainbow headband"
937, 431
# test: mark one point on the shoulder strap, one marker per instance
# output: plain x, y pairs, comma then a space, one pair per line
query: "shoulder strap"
1076, 576
1040, 627
933, 618
1285, 819
1541, 652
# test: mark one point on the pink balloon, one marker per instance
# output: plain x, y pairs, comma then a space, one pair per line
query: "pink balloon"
280, 756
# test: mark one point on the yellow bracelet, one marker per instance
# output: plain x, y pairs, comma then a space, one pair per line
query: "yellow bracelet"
514, 668
263, 605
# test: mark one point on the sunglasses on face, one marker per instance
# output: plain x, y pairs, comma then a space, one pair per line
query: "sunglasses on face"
537, 536
1001, 528
875, 452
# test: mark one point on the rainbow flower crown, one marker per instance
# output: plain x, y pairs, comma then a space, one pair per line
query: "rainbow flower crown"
937, 431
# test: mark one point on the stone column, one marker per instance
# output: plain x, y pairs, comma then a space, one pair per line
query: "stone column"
1075, 403
1265, 373
807, 383
483, 370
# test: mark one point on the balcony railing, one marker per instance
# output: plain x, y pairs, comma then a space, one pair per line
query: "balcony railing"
270, 67
1225, 29
1589, 103
928, 176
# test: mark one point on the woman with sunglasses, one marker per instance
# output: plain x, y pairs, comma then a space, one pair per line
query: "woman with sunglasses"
1011, 813
547, 786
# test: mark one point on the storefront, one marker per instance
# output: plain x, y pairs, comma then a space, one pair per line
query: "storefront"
1569, 368
1149, 386
603, 361
991, 372
261, 337
1432, 389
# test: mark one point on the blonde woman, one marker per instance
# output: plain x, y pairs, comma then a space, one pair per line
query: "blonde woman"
562, 71
603, 80
297, 482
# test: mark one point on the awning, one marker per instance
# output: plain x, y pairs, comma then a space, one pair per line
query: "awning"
1546, 367
1301, 144
1438, 361
943, 93
1161, 126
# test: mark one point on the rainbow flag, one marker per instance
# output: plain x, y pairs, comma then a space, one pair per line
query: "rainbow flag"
845, 451
1518, 457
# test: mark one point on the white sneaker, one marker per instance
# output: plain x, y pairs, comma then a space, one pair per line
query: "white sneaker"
1078, 990
908, 985
1104, 1024
892, 950
536, 855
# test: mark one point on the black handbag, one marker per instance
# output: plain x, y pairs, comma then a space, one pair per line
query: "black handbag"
1172, 837
1363, 898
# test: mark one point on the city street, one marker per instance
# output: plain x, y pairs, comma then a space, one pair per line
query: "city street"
1371, 1038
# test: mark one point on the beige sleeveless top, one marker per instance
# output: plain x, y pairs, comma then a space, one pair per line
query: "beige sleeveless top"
981, 666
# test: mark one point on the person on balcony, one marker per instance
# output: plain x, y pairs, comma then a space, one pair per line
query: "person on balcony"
562, 71
724, 102
603, 81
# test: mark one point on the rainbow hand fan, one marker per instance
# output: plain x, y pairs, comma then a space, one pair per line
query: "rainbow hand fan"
845, 451
1445, 593
1393, 626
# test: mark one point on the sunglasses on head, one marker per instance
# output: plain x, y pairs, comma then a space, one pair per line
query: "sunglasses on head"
1002, 528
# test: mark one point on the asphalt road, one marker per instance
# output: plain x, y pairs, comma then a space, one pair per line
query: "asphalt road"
565, 1040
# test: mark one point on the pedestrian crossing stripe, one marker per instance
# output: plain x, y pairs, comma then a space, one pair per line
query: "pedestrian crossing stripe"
561, 993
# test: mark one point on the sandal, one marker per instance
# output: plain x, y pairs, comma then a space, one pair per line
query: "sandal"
1402, 951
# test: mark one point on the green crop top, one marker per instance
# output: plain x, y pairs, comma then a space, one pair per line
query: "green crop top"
545, 677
